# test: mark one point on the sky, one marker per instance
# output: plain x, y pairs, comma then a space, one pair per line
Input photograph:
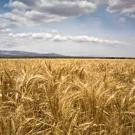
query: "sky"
103, 28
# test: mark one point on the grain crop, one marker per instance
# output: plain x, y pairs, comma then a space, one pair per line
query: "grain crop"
67, 97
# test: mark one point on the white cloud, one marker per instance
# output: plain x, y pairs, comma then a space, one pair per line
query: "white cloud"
122, 19
62, 38
17, 5
33, 12
4, 28
37, 12
124, 7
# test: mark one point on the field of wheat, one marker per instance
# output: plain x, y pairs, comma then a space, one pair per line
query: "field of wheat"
67, 97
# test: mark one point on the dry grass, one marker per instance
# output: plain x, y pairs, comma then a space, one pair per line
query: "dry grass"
67, 97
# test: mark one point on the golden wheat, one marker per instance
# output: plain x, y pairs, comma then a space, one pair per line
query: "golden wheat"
67, 97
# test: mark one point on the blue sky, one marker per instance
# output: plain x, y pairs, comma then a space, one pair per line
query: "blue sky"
69, 27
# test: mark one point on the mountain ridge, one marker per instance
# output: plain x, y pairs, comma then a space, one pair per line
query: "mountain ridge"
24, 54
14, 53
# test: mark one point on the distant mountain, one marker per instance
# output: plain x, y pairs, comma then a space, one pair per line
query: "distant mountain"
23, 54
4, 53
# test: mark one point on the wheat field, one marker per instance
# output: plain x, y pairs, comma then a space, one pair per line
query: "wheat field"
67, 97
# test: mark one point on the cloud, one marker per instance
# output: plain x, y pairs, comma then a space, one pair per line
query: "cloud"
122, 20
39, 12
56, 37
124, 7
4, 28
33, 12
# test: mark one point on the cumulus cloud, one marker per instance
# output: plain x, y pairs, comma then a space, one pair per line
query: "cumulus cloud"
31, 12
36, 12
56, 37
125, 7
4, 28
